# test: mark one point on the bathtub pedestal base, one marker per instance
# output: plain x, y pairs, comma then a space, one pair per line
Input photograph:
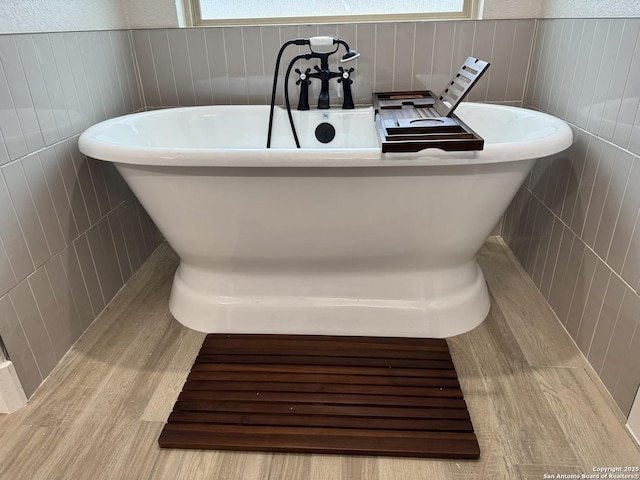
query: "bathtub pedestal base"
434, 304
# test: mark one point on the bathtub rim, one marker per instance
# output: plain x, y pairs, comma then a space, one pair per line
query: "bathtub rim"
538, 147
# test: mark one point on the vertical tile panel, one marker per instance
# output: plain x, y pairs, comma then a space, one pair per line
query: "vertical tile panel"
37, 88
366, 64
560, 66
112, 273
385, 55
7, 278
4, 154
56, 327
63, 67
539, 63
9, 122
270, 39
196, 43
619, 77
599, 190
620, 340
571, 63
577, 158
564, 176
43, 203
583, 279
605, 74
26, 213
97, 90
403, 59
12, 66
85, 183
551, 259
181, 66
286, 32
107, 73
423, 56
630, 101
593, 306
626, 218
582, 71
560, 273
127, 52
519, 61
18, 347
129, 222
258, 81
540, 255
234, 45
576, 282
86, 103
218, 66
587, 180
12, 237
594, 60
117, 189
606, 322
612, 203
483, 43
49, 164
115, 43
631, 267
550, 68
71, 185
502, 52
103, 269
89, 274
443, 55
72, 327
164, 71
146, 67
100, 186
53, 85
629, 376
79, 291
33, 327
536, 218
120, 245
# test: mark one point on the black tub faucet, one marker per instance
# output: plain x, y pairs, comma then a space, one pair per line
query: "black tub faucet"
322, 72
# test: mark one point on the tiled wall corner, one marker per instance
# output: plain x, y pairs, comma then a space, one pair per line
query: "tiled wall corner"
574, 224
201, 66
71, 232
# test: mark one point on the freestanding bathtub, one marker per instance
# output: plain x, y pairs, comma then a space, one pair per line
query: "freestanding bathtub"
335, 238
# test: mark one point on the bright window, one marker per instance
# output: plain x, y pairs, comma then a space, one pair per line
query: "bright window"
225, 12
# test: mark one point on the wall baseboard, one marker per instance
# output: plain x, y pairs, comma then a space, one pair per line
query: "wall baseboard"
12, 397
633, 422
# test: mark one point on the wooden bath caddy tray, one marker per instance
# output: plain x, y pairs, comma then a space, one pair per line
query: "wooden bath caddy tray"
415, 120
323, 394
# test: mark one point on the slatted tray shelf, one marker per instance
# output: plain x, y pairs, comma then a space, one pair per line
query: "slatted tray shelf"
411, 121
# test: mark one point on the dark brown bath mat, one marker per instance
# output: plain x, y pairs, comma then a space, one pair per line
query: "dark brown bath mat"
323, 394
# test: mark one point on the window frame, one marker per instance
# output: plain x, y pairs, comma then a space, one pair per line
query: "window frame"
469, 12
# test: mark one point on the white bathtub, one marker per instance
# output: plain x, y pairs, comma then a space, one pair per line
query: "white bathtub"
332, 238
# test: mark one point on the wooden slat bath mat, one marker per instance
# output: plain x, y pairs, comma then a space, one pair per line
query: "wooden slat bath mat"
323, 394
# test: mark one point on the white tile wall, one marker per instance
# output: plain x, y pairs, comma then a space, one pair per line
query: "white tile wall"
574, 225
235, 65
71, 233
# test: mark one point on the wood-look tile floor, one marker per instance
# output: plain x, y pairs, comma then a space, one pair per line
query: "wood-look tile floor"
536, 405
